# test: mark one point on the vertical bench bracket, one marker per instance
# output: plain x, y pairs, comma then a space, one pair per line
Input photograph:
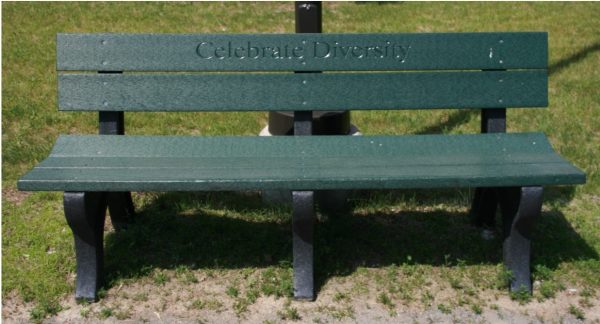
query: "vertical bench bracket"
120, 204
521, 208
85, 213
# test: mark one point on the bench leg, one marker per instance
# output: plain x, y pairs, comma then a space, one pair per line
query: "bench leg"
521, 207
85, 213
483, 208
303, 218
120, 207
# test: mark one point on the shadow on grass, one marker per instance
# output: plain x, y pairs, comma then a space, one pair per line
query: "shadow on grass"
464, 115
454, 120
169, 234
580, 55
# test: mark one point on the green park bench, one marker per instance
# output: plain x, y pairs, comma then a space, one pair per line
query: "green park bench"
113, 73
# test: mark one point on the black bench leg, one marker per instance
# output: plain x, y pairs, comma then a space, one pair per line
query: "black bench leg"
120, 207
303, 218
483, 208
85, 213
521, 208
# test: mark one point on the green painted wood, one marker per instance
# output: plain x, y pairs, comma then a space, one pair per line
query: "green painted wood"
180, 163
307, 52
314, 91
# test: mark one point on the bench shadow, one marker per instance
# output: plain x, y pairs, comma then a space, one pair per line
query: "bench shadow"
578, 56
168, 235
454, 120
433, 236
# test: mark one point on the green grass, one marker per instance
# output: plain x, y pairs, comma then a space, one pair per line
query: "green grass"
577, 312
289, 312
404, 235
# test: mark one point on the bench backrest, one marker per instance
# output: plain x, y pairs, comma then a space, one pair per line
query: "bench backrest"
160, 72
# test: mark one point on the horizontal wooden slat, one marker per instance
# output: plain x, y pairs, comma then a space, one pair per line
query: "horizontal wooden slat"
289, 91
301, 52
166, 163
251, 162
132, 146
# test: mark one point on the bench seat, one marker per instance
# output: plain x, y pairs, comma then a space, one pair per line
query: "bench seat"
192, 163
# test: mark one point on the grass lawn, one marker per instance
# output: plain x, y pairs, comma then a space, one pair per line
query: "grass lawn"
396, 251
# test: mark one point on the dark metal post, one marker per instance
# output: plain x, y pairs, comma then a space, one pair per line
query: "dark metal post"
308, 17
521, 208
303, 218
111, 122
85, 212
493, 120
485, 200
309, 20
120, 204
303, 123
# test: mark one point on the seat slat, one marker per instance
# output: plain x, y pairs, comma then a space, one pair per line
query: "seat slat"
289, 91
113, 163
497, 144
279, 177
301, 52
253, 162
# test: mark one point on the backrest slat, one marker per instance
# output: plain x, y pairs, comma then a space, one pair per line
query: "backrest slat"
239, 72
301, 52
306, 91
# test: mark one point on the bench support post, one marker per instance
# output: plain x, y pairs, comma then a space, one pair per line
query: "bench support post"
521, 207
120, 204
483, 208
485, 200
120, 207
303, 218
85, 213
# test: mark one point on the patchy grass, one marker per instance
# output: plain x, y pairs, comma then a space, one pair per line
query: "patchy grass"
521, 295
444, 308
577, 312
161, 278
211, 304
395, 249
289, 312
105, 313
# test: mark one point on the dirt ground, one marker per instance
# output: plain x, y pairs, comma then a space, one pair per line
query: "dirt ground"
175, 302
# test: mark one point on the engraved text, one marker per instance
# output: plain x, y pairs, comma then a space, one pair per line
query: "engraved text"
312, 50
